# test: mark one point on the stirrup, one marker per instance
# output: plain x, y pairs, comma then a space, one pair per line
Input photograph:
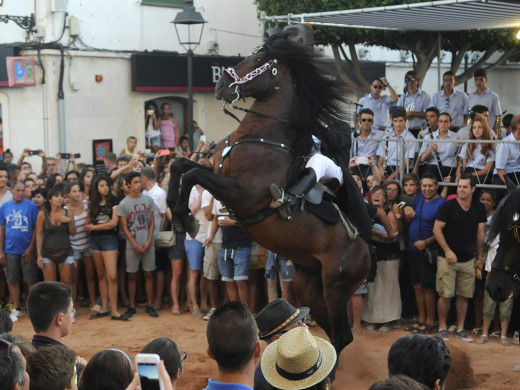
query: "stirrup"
278, 195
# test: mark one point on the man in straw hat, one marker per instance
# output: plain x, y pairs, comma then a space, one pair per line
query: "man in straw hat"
234, 345
298, 360
277, 318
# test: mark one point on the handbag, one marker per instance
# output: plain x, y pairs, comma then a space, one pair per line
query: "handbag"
165, 238
432, 250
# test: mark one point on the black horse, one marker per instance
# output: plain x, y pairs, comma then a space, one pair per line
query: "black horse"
293, 99
504, 279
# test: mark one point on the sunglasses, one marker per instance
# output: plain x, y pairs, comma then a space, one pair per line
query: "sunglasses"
377, 86
4, 344
367, 120
412, 79
447, 102
184, 355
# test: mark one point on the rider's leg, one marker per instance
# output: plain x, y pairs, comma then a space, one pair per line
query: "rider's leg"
318, 167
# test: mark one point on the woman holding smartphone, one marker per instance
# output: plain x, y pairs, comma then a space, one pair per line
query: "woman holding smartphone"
102, 222
152, 132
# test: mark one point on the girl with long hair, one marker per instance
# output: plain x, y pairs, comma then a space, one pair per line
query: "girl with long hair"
102, 223
81, 241
85, 178
478, 158
53, 227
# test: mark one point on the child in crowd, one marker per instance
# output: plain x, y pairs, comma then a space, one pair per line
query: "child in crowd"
129, 151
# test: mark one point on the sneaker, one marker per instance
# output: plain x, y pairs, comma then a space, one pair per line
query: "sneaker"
150, 310
461, 333
131, 312
371, 327
15, 314
385, 329
516, 338
452, 329
445, 334
209, 314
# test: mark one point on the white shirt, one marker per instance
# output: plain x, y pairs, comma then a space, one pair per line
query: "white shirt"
159, 198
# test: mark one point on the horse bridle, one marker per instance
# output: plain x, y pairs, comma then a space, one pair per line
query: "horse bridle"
515, 227
238, 82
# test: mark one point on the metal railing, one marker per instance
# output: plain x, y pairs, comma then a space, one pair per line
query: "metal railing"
402, 144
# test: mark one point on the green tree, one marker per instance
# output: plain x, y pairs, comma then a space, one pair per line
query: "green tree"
498, 45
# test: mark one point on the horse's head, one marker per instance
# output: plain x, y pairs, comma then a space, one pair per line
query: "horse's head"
504, 279
255, 76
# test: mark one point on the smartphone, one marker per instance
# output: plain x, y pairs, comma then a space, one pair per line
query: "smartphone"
77, 155
149, 112
34, 152
203, 138
401, 204
65, 155
362, 160
148, 370
164, 152
221, 218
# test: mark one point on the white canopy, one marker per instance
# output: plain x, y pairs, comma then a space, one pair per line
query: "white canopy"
445, 15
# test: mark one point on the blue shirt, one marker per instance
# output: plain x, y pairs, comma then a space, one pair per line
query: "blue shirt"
379, 106
421, 101
393, 146
214, 385
426, 220
478, 160
19, 220
490, 100
508, 156
447, 151
456, 105
362, 147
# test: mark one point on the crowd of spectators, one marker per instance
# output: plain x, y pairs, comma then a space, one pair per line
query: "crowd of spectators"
93, 230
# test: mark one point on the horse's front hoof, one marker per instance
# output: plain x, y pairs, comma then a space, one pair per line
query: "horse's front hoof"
191, 226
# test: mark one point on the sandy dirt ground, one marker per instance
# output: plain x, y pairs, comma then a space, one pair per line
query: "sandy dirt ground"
488, 366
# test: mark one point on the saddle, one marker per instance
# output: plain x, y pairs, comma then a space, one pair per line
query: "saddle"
317, 201
327, 197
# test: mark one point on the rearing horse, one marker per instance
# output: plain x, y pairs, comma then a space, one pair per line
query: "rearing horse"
503, 281
292, 98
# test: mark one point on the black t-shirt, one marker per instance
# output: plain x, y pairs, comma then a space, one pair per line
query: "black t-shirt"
233, 237
460, 231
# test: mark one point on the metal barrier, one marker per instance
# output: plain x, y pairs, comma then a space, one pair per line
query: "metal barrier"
402, 142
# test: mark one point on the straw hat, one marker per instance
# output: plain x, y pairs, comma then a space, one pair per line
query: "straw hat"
277, 315
297, 360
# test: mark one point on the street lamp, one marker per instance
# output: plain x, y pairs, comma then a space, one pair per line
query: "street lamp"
188, 26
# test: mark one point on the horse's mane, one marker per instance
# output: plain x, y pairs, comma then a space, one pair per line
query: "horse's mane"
317, 97
504, 213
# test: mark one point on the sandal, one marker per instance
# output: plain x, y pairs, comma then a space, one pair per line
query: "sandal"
175, 310
504, 341
483, 339
425, 329
98, 314
415, 326
476, 331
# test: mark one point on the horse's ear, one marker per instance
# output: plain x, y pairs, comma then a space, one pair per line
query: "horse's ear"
302, 34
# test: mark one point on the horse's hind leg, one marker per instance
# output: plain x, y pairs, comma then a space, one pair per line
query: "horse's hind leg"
308, 289
344, 269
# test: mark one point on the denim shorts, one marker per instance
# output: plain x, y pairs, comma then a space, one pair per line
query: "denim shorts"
195, 254
154, 141
233, 264
78, 255
104, 242
68, 260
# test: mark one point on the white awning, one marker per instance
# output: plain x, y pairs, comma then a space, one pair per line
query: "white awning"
445, 15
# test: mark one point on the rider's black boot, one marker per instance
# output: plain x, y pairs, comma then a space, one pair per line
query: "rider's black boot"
298, 191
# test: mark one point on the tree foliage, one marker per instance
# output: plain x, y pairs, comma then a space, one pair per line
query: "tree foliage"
489, 48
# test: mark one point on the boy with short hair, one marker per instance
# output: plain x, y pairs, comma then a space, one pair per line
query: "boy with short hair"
52, 368
131, 143
137, 221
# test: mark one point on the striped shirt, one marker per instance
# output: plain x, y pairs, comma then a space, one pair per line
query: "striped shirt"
81, 240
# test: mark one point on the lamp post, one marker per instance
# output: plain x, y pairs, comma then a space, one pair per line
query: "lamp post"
188, 26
